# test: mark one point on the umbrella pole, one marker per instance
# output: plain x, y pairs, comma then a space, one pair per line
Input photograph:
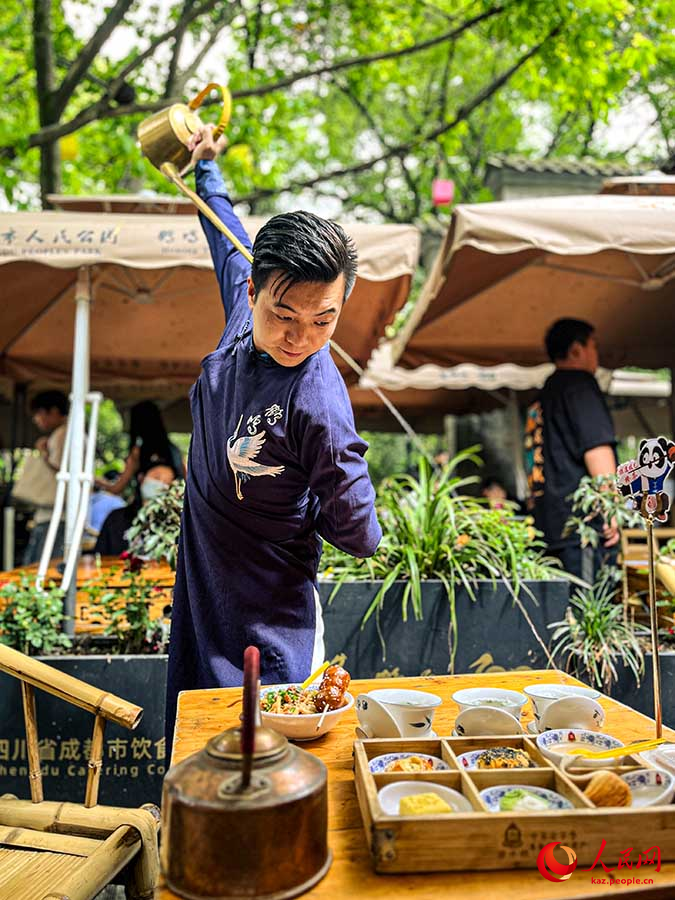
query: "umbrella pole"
80, 388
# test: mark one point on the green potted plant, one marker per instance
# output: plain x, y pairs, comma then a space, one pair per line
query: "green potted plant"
594, 641
31, 618
154, 533
455, 585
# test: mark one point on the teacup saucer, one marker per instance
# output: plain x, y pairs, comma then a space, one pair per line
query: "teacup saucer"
360, 733
532, 727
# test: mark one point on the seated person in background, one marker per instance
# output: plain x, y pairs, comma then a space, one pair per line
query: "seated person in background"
149, 445
112, 537
494, 491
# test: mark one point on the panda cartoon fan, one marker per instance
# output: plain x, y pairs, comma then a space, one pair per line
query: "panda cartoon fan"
642, 482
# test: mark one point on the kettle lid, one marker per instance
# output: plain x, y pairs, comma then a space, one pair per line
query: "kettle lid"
268, 745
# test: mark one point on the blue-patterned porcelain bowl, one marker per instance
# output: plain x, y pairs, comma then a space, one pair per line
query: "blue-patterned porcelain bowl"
650, 787
492, 797
378, 764
555, 744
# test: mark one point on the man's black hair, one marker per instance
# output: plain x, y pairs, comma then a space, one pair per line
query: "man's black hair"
491, 481
563, 333
48, 399
304, 248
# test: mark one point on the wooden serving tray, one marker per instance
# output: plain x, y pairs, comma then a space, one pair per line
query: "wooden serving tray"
504, 840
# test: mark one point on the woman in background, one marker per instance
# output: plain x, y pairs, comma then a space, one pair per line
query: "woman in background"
150, 445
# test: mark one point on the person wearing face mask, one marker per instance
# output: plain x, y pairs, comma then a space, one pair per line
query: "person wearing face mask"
112, 537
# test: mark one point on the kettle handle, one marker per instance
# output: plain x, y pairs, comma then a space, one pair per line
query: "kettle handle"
250, 704
226, 110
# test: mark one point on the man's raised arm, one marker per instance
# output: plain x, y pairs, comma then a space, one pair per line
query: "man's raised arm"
232, 269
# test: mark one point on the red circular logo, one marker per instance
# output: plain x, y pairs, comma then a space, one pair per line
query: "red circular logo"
548, 864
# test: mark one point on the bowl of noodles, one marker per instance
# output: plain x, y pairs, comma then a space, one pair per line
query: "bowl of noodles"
293, 713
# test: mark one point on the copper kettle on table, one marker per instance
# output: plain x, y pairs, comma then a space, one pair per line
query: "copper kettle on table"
247, 816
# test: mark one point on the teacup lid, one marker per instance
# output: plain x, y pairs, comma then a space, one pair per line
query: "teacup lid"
227, 745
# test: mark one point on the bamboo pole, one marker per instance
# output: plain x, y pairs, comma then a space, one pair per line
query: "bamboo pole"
87, 879
95, 701
28, 839
654, 628
30, 718
95, 763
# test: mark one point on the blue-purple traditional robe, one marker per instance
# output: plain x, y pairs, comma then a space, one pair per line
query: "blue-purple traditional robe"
275, 464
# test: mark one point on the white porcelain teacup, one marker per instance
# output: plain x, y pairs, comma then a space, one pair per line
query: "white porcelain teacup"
396, 712
542, 695
573, 712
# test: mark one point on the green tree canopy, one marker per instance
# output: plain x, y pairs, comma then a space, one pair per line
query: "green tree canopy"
362, 102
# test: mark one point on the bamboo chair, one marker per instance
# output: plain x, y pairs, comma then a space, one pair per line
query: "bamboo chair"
68, 851
635, 561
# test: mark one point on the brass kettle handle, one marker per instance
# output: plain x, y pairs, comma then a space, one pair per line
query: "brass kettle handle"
226, 110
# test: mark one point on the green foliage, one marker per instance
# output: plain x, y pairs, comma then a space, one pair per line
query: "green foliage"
112, 444
432, 530
127, 614
155, 530
594, 635
595, 503
31, 618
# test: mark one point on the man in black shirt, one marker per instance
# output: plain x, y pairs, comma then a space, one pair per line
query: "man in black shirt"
569, 434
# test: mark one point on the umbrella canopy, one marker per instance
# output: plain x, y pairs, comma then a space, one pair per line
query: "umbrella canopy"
507, 270
156, 308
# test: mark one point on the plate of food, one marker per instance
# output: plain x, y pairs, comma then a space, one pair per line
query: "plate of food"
406, 762
556, 744
497, 758
522, 798
421, 798
303, 715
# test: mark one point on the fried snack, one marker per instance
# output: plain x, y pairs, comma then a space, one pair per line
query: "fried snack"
333, 687
410, 764
607, 789
504, 758
423, 805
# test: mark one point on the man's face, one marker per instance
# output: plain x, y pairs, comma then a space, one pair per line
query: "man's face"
47, 419
293, 326
585, 356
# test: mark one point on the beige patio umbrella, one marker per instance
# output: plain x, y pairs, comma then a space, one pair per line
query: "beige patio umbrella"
507, 270
156, 306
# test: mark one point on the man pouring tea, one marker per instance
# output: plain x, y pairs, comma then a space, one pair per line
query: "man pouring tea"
275, 462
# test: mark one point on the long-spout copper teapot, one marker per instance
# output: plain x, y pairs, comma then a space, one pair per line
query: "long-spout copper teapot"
247, 816
164, 135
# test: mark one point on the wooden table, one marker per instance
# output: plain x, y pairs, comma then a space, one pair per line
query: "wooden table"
202, 714
109, 574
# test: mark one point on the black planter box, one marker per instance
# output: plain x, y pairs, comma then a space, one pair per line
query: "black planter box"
492, 633
641, 697
134, 762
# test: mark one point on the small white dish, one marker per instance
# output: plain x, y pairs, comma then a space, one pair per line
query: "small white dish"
554, 746
492, 798
662, 757
542, 695
469, 760
573, 712
495, 698
302, 728
650, 787
478, 721
390, 795
378, 764
532, 728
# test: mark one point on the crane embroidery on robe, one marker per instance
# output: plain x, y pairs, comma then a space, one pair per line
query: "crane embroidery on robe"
242, 453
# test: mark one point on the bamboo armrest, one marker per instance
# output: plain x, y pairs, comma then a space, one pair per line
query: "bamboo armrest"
47, 678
